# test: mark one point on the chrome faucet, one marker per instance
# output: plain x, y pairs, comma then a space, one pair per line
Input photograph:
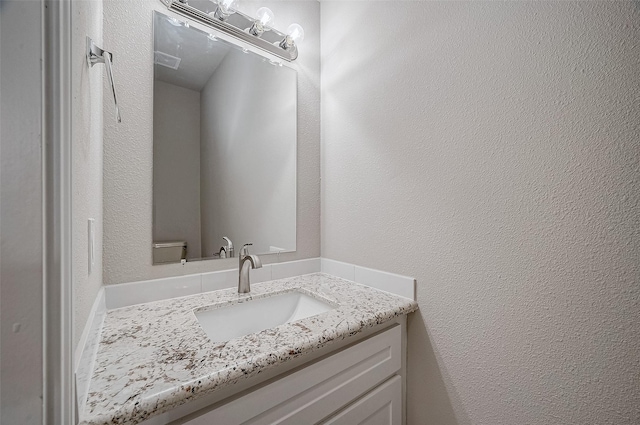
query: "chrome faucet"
229, 248
243, 279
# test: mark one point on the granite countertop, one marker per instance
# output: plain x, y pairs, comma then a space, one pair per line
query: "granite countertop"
154, 357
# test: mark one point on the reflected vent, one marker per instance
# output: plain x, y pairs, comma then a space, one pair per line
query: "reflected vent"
167, 60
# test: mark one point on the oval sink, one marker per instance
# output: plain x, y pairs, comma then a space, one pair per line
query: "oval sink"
225, 323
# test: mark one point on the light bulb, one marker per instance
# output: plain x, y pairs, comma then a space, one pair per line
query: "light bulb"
265, 15
227, 5
296, 33
224, 9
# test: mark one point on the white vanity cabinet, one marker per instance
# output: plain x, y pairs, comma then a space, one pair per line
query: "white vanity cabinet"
360, 384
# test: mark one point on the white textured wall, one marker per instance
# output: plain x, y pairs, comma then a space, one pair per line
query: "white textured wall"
176, 166
492, 151
248, 171
128, 146
86, 86
21, 213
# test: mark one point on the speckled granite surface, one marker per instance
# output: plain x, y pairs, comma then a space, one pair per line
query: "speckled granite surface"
153, 357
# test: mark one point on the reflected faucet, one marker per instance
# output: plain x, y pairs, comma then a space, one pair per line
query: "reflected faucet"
243, 279
229, 248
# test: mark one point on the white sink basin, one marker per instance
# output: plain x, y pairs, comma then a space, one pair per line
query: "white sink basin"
225, 323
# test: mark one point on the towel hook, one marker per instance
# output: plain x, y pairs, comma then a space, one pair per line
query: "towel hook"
96, 55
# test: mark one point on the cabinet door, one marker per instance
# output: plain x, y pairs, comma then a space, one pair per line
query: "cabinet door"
381, 406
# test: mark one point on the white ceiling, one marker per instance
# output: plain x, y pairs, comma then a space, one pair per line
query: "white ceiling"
200, 56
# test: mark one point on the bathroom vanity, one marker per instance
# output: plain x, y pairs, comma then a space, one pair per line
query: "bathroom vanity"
223, 159
342, 363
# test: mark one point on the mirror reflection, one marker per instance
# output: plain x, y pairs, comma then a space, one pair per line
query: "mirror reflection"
224, 147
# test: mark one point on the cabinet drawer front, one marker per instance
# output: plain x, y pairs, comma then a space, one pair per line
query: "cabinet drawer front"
379, 407
311, 394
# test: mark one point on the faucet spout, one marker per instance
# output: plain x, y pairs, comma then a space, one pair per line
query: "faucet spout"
247, 262
229, 248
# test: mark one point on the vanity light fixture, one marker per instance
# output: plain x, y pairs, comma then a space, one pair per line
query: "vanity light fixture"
256, 31
265, 16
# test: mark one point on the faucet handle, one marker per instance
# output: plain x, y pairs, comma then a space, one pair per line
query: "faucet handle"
245, 250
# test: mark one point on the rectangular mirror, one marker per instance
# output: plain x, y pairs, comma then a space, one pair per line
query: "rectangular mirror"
224, 147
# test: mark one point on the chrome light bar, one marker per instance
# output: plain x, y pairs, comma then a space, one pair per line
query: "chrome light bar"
237, 25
